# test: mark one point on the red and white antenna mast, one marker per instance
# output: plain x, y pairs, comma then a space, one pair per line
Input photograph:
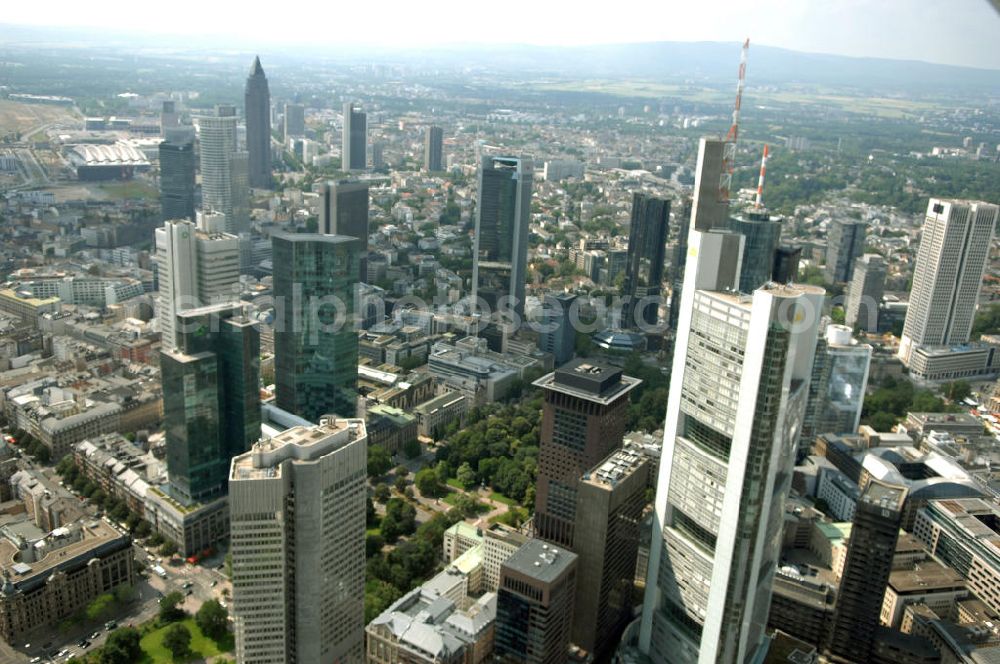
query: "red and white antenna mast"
760, 181
729, 150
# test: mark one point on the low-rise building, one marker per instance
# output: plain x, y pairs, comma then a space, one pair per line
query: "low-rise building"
929, 583
193, 528
390, 427
460, 538
500, 542
48, 577
437, 413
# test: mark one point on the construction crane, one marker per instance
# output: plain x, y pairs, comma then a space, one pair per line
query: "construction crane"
760, 181
729, 150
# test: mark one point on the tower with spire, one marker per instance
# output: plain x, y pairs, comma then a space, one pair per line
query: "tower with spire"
258, 117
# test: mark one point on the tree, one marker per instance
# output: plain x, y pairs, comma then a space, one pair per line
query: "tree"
466, 475
379, 461
168, 548
401, 471
957, 390
382, 492
370, 515
212, 619
443, 471
412, 449
373, 544
427, 481
177, 640
122, 647
400, 484
170, 610
101, 608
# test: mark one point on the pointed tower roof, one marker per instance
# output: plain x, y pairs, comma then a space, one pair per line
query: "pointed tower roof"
256, 69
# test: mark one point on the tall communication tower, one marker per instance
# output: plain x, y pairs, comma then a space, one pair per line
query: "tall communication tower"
729, 152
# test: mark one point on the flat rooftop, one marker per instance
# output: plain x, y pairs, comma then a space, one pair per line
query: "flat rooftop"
541, 561
95, 534
888, 496
587, 379
927, 576
298, 443
615, 468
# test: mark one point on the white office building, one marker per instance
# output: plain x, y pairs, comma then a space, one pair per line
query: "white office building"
297, 510
948, 274
742, 367
196, 268
224, 168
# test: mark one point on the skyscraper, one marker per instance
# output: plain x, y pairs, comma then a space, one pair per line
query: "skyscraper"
557, 335
500, 255
845, 242
354, 152
865, 293
761, 236
295, 120
432, 149
196, 268
168, 117
315, 343
866, 572
223, 168
740, 377
211, 398
535, 605
609, 504
177, 175
679, 260
786, 264
344, 211
838, 384
297, 508
647, 244
583, 420
948, 273
257, 108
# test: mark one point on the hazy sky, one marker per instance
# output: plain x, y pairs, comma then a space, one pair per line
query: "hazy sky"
945, 31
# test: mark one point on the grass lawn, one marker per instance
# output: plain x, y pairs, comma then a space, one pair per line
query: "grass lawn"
500, 498
451, 498
455, 484
201, 645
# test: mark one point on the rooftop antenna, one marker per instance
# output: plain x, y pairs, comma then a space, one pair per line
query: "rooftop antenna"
729, 150
760, 181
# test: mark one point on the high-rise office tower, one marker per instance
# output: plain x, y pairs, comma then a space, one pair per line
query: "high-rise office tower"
838, 384
679, 261
257, 99
295, 120
378, 154
500, 254
297, 510
866, 572
948, 273
354, 151
343, 210
583, 420
195, 268
865, 293
211, 398
610, 500
647, 244
169, 118
845, 242
535, 605
432, 149
741, 370
761, 236
556, 334
223, 168
315, 342
786, 264
177, 175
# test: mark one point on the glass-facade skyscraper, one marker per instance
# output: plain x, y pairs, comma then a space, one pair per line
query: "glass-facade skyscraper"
500, 255
761, 236
177, 178
315, 342
647, 245
211, 398
343, 210
354, 149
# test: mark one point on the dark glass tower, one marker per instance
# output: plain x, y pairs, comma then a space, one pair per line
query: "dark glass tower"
344, 211
866, 572
760, 241
647, 242
258, 116
211, 398
557, 335
846, 241
432, 149
354, 151
500, 256
177, 175
315, 343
